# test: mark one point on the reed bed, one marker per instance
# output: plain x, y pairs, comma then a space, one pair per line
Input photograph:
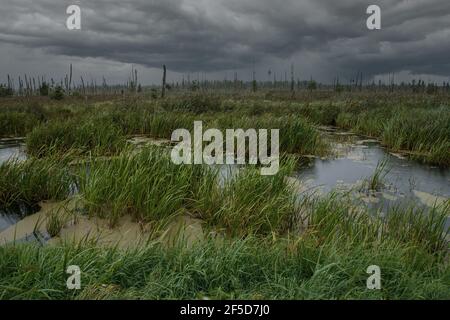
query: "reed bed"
253, 204
423, 134
18, 118
16, 124
151, 188
146, 185
297, 136
337, 219
105, 134
93, 137
418, 126
34, 180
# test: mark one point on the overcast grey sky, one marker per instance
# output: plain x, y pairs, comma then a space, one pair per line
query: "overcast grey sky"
322, 38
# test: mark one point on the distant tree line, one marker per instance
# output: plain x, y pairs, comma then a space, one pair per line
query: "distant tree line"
40, 86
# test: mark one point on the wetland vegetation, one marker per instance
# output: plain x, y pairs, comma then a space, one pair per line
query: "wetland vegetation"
256, 237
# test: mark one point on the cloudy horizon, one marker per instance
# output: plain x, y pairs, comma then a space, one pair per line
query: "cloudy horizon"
215, 38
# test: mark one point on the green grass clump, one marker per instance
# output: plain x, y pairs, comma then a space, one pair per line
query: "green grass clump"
297, 136
419, 227
422, 133
55, 221
150, 187
321, 113
254, 204
425, 133
16, 123
373, 121
161, 125
19, 117
420, 127
99, 137
34, 180
376, 181
146, 185
148, 119
336, 218
196, 103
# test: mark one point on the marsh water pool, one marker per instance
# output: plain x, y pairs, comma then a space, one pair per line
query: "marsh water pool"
12, 148
355, 159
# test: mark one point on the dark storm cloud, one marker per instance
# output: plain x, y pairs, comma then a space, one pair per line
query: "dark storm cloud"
212, 35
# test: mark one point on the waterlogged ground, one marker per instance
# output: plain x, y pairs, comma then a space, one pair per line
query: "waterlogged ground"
29, 224
12, 148
78, 227
353, 160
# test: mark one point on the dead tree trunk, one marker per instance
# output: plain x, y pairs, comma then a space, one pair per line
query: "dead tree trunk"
70, 79
163, 90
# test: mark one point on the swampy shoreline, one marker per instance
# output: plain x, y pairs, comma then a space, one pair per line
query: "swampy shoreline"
363, 180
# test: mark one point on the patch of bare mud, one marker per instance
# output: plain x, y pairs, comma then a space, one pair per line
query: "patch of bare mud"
78, 228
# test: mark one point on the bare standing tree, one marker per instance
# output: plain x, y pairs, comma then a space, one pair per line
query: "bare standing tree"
292, 77
70, 79
163, 90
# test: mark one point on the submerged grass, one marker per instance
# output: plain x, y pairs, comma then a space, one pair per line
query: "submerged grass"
376, 181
